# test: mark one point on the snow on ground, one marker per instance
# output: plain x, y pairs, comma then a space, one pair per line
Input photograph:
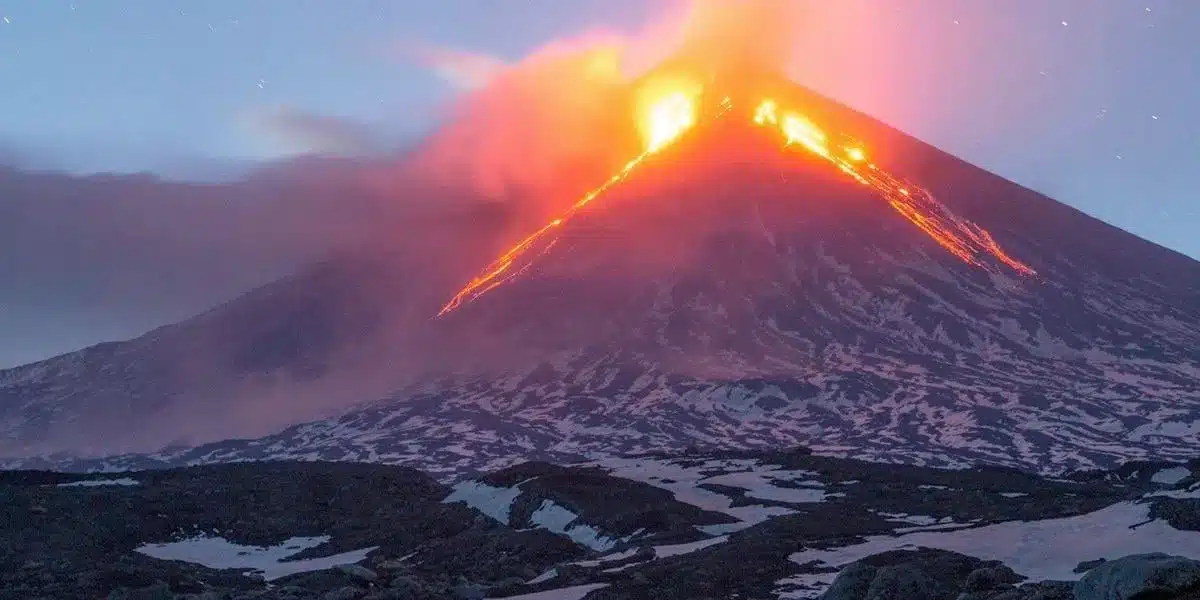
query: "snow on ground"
678, 549
757, 481
557, 519
495, 502
624, 554
569, 593
1171, 476
907, 518
544, 577
219, 553
100, 482
758, 484
1191, 493
670, 550
1040, 550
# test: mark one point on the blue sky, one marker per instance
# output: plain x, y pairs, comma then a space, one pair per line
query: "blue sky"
139, 84
123, 82
1090, 101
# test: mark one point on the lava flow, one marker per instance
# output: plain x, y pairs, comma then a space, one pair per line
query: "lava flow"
662, 121
962, 238
674, 111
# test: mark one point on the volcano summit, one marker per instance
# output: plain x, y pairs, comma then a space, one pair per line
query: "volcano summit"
773, 269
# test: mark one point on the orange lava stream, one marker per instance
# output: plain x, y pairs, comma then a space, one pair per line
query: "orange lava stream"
676, 114
964, 239
500, 270
668, 115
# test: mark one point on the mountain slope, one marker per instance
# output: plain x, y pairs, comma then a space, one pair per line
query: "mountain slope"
732, 292
318, 340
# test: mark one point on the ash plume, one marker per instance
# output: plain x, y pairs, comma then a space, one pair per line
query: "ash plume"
526, 129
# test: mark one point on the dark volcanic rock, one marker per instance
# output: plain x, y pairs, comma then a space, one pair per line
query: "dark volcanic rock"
1140, 576
1181, 513
82, 546
923, 574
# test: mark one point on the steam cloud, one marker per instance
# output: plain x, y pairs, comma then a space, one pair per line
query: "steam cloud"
521, 127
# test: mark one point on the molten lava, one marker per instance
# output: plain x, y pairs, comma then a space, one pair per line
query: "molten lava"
664, 119
667, 111
962, 238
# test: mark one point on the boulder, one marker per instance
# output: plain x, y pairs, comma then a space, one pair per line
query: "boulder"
359, 573
990, 578
346, 593
1139, 575
923, 574
468, 591
1088, 565
158, 591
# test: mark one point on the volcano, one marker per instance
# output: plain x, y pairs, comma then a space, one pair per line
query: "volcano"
773, 269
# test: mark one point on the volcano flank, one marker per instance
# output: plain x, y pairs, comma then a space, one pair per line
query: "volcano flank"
773, 269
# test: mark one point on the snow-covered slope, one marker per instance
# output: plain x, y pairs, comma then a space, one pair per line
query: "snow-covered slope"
732, 295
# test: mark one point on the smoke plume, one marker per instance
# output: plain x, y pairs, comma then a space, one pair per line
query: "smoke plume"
524, 130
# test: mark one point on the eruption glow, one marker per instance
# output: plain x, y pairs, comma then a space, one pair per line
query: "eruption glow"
664, 121
729, 40
676, 112
960, 237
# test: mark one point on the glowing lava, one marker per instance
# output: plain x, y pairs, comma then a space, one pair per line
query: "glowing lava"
666, 111
662, 121
962, 238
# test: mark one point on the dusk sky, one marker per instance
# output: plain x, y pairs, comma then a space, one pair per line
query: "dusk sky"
1089, 101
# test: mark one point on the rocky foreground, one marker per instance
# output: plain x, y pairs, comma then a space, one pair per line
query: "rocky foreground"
699, 526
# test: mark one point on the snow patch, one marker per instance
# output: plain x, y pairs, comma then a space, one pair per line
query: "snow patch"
1192, 493
495, 502
219, 553
759, 485
1171, 476
568, 593
756, 481
101, 482
607, 558
907, 518
1040, 550
557, 519
544, 577
678, 549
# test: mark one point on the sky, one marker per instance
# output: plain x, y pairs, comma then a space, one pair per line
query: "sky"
1089, 101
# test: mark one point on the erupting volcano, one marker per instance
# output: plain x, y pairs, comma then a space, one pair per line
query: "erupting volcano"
671, 111
754, 266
